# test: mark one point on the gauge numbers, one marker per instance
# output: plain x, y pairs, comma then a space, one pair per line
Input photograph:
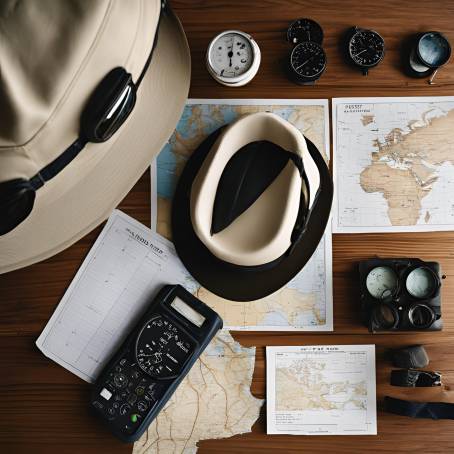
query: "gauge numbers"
308, 60
231, 55
366, 48
304, 30
382, 282
162, 349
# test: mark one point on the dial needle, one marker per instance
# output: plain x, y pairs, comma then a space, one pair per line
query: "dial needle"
307, 61
359, 53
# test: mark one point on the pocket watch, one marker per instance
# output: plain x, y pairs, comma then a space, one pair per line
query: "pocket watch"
365, 48
233, 58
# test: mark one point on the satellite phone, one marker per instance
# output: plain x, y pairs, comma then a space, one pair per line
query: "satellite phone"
160, 351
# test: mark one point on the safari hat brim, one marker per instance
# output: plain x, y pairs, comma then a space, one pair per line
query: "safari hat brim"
235, 282
84, 194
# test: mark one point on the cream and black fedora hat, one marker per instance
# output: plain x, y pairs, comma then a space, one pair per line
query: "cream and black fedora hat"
90, 90
251, 207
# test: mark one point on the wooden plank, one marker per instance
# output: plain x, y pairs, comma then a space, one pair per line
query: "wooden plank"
43, 407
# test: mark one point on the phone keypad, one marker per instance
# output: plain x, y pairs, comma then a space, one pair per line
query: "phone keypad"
127, 396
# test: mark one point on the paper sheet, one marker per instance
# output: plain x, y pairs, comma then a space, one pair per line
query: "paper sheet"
305, 303
393, 164
118, 279
321, 390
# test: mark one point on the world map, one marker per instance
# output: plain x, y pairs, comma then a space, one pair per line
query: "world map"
394, 164
305, 303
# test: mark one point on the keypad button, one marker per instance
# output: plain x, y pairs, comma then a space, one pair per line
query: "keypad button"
120, 380
132, 399
124, 409
140, 390
142, 406
105, 393
135, 375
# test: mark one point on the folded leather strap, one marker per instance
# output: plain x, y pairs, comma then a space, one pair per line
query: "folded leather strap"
413, 357
411, 378
433, 410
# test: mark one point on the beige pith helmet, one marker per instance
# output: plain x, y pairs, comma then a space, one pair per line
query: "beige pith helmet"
53, 56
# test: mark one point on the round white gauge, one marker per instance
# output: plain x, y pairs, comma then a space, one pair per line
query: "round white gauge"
382, 282
233, 58
421, 283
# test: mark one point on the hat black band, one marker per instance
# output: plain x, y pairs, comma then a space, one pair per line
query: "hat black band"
107, 109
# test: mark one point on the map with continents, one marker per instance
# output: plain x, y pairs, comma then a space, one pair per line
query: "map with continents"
320, 389
394, 164
213, 401
305, 303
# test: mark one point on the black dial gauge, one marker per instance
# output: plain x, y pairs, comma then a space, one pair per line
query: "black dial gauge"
162, 349
307, 62
366, 48
304, 30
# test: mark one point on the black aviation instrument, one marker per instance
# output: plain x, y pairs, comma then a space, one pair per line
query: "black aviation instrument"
307, 60
365, 48
154, 359
304, 30
400, 294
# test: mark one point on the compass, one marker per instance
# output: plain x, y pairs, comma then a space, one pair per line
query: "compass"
304, 30
162, 349
307, 62
366, 48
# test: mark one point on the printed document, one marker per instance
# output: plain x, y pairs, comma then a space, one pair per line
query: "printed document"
393, 164
117, 281
321, 390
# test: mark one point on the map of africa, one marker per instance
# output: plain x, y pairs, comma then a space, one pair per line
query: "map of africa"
394, 164
213, 401
305, 303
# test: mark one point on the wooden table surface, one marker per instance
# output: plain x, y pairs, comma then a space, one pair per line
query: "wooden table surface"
43, 407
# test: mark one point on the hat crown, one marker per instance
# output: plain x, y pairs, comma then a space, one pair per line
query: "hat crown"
42, 45
47, 46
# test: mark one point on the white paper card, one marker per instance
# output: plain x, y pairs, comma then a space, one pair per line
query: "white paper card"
118, 279
321, 390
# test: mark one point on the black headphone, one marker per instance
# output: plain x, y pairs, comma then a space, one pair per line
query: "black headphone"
107, 109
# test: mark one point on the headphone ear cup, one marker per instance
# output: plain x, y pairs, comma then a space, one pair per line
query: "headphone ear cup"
17, 198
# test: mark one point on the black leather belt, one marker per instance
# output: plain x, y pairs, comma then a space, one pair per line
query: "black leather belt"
415, 378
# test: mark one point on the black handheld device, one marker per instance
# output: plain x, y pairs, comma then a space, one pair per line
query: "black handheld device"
153, 360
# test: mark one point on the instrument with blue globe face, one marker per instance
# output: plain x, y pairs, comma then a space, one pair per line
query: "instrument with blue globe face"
429, 52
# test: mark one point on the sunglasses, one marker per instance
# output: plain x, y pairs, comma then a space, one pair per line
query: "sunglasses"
107, 109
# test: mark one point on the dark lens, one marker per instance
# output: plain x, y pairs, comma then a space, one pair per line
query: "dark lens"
109, 106
421, 316
434, 49
16, 202
117, 114
385, 316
